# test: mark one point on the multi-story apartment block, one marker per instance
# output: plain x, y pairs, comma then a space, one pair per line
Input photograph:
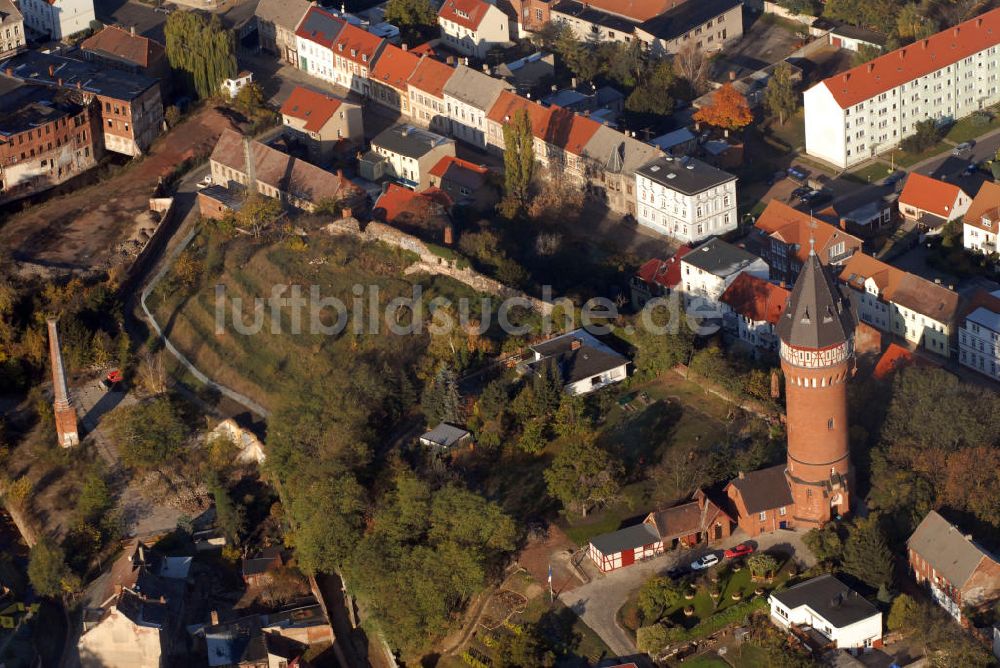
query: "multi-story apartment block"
11, 29
46, 137
473, 27
783, 236
389, 76
128, 105
708, 270
901, 303
276, 23
354, 52
469, 95
981, 224
314, 40
426, 90
866, 110
58, 19
979, 334
685, 198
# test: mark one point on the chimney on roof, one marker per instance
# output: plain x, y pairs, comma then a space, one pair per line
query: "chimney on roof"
79, 85
957, 30
732, 75
340, 174
572, 82
781, 284
847, 77
142, 553
871, 67
52, 70
466, 61
59, 82
924, 43
10, 71
486, 68
576, 344
404, 46
133, 31
214, 615
449, 235
902, 54
979, 23
63, 411
968, 537
741, 475
450, 60
346, 212
843, 223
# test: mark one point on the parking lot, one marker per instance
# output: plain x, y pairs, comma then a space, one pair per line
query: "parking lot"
763, 43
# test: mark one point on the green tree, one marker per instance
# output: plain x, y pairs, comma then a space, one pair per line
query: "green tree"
762, 565
926, 133
865, 53
654, 92
866, 554
657, 596
826, 543
201, 52
583, 475
548, 386
230, 516
326, 518
149, 433
904, 615
48, 572
652, 639
440, 399
518, 162
780, 96
660, 347
571, 418
527, 649
250, 99
95, 498
532, 438
410, 13
913, 24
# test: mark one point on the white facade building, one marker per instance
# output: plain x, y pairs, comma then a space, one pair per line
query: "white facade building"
59, 18
708, 270
981, 225
979, 335
830, 607
855, 115
685, 198
468, 97
586, 363
314, 39
473, 27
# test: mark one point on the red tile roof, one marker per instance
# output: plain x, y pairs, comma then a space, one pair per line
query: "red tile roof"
357, 45
929, 194
553, 125
320, 26
664, 272
986, 203
915, 60
903, 288
794, 227
463, 172
121, 43
894, 358
397, 201
312, 107
637, 10
466, 13
394, 67
755, 298
430, 76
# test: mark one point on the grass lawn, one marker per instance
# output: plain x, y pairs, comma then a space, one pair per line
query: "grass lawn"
870, 173
705, 661
793, 132
748, 656
971, 127
905, 159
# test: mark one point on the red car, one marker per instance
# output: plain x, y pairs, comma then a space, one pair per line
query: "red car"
741, 550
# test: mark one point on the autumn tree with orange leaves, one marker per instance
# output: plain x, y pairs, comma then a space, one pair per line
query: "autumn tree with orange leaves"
728, 110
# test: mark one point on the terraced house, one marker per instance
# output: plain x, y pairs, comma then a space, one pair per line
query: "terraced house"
473, 27
857, 114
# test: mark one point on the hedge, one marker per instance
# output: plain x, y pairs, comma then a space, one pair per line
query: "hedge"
737, 613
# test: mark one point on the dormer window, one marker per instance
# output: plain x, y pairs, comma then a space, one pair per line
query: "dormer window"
987, 222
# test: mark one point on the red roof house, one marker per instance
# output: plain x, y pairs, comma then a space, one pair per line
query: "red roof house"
753, 307
423, 213
354, 53
783, 236
389, 75
895, 358
465, 182
657, 278
932, 203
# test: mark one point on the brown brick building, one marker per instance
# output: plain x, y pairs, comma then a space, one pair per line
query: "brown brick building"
46, 138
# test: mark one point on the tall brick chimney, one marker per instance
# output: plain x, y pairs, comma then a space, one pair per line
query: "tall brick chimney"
65, 415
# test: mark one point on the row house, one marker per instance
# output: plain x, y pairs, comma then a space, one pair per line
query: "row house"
12, 37
276, 24
294, 182
783, 236
354, 52
709, 270
871, 108
58, 19
46, 137
981, 224
426, 91
389, 77
930, 202
324, 124
979, 334
606, 20
123, 49
128, 105
960, 574
469, 95
473, 27
611, 159
315, 37
901, 303
751, 307
466, 183
685, 198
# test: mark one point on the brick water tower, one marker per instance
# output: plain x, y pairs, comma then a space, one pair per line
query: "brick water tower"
817, 358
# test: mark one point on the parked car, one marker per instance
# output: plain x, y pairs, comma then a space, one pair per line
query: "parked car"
895, 178
815, 197
110, 381
205, 182
797, 174
702, 563
963, 148
800, 192
971, 169
741, 550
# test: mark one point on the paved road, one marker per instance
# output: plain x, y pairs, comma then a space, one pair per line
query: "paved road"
597, 602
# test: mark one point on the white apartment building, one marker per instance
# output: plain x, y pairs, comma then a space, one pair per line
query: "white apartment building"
981, 224
685, 198
314, 39
979, 335
708, 270
11, 29
468, 97
831, 608
59, 18
853, 116
751, 307
354, 53
901, 303
473, 27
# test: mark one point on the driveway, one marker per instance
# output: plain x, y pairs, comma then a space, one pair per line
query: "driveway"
597, 602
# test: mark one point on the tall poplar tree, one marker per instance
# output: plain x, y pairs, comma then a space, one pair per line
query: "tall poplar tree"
518, 163
201, 52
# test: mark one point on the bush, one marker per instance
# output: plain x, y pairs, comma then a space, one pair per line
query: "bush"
738, 613
927, 133
652, 639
